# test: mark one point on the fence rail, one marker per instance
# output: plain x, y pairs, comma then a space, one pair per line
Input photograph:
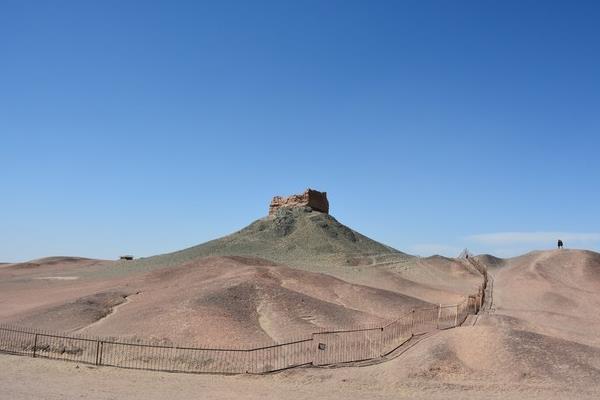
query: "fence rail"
321, 348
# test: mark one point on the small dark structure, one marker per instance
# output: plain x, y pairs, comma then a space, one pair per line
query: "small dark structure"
126, 257
560, 244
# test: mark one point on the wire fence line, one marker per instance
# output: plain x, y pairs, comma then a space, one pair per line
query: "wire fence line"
325, 347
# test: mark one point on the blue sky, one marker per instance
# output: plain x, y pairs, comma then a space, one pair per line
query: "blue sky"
146, 127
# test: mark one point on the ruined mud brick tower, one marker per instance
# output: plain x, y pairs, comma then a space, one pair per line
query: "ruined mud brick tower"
310, 198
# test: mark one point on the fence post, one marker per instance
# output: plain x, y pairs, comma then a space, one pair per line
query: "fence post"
99, 349
481, 296
456, 316
315, 346
35, 340
437, 324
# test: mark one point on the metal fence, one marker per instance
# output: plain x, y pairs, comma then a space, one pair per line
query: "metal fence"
321, 348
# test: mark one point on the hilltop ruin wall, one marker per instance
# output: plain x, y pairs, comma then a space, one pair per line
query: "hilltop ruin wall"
310, 198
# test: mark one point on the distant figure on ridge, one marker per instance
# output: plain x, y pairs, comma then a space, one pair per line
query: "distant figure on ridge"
560, 244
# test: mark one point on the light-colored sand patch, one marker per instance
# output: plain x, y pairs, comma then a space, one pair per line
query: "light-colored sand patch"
264, 320
58, 278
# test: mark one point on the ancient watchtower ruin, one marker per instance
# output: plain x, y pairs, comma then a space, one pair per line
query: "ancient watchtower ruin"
310, 198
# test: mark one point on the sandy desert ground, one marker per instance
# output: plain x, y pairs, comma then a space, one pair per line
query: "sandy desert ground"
256, 301
521, 347
538, 336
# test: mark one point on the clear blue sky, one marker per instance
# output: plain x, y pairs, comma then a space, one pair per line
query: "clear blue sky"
146, 127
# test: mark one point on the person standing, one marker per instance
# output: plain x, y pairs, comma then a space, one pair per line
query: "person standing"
560, 244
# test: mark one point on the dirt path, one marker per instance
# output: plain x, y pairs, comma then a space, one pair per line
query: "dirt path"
112, 312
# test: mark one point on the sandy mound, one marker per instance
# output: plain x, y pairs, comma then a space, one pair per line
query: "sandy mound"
555, 293
544, 330
254, 301
541, 341
491, 262
449, 278
57, 261
525, 346
74, 315
48, 282
433, 279
496, 353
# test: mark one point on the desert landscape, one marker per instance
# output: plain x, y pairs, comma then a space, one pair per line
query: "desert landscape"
295, 273
285, 276
299, 200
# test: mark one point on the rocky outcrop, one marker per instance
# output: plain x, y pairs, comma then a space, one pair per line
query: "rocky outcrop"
310, 198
